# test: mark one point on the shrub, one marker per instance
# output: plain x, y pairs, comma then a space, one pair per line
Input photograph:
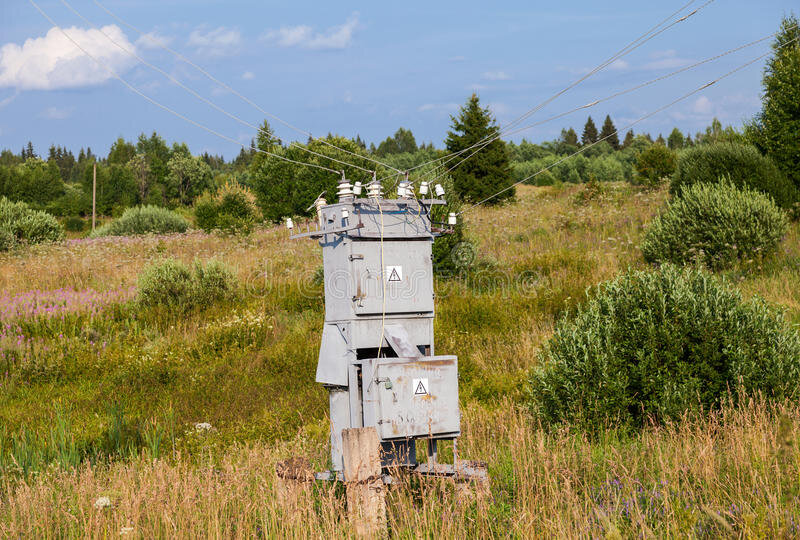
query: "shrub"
654, 164
741, 163
21, 224
715, 224
657, 344
74, 224
144, 220
172, 284
233, 209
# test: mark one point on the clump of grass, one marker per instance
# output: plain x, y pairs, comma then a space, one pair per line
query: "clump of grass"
172, 284
144, 220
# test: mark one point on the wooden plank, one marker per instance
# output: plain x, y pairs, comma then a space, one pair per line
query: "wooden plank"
366, 497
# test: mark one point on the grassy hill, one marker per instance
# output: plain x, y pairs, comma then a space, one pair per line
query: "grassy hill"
99, 396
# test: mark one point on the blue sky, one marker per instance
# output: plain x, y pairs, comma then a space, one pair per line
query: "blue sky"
367, 68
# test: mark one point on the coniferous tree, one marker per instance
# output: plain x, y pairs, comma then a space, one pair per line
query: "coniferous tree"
688, 141
628, 139
488, 171
589, 132
661, 140
609, 133
776, 130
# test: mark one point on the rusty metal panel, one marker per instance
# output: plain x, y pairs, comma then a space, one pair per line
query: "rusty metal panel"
417, 398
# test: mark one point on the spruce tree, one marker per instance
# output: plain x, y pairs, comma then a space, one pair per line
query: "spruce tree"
488, 171
776, 130
589, 132
569, 137
661, 140
609, 133
628, 139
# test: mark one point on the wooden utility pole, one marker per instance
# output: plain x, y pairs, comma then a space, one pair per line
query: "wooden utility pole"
94, 195
366, 497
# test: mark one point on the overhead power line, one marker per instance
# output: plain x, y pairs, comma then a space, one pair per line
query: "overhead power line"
193, 92
613, 96
629, 126
632, 46
247, 100
162, 106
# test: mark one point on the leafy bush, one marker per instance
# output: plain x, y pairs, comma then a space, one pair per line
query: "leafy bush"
657, 344
233, 208
144, 220
715, 224
170, 283
21, 224
741, 163
74, 224
655, 164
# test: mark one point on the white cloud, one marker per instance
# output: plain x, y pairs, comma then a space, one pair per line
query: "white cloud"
54, 113
476, 87
499, 108
703, 105
248, 75
304, 36
153, 40
666, 60
438, 107
7, 101
220, 41
496, 76
619, 65
52, 61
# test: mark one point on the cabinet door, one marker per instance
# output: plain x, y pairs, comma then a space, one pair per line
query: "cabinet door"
405, 277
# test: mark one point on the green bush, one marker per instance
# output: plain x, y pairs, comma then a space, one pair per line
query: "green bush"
654, 345
232, 209
654, 164
144, 220
172, 284
715, 224
74, 224
22, 225
741, 163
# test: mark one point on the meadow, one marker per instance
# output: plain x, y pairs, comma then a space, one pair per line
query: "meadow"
179, 418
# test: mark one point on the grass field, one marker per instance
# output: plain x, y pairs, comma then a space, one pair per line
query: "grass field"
100, 397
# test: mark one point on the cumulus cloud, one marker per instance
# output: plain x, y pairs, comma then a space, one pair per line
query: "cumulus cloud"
703, 105
248, 75
152, 40
54, 113
496, 76
619, 65
666, 60
438, 107
304, 36
220, 41
53, 61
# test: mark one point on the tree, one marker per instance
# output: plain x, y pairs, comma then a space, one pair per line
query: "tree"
121, 152
609, 133
688, 142
776, 129
655, 163
189, 176
568, 136
141, 174
37, 182
403, 141
589, 133
675, 141
661, 140
487, 172
628, 139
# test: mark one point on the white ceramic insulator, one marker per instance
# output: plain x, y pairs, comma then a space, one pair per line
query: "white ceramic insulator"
289, 224
452, 219
357, 188
439, 190
423, 188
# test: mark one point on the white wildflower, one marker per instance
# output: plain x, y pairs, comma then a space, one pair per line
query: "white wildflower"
102, 502
202, 426
125, 530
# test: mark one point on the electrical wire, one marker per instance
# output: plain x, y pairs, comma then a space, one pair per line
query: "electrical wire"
638, 42
162, 106
613, 96
227, 87
641, 119
196, 94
